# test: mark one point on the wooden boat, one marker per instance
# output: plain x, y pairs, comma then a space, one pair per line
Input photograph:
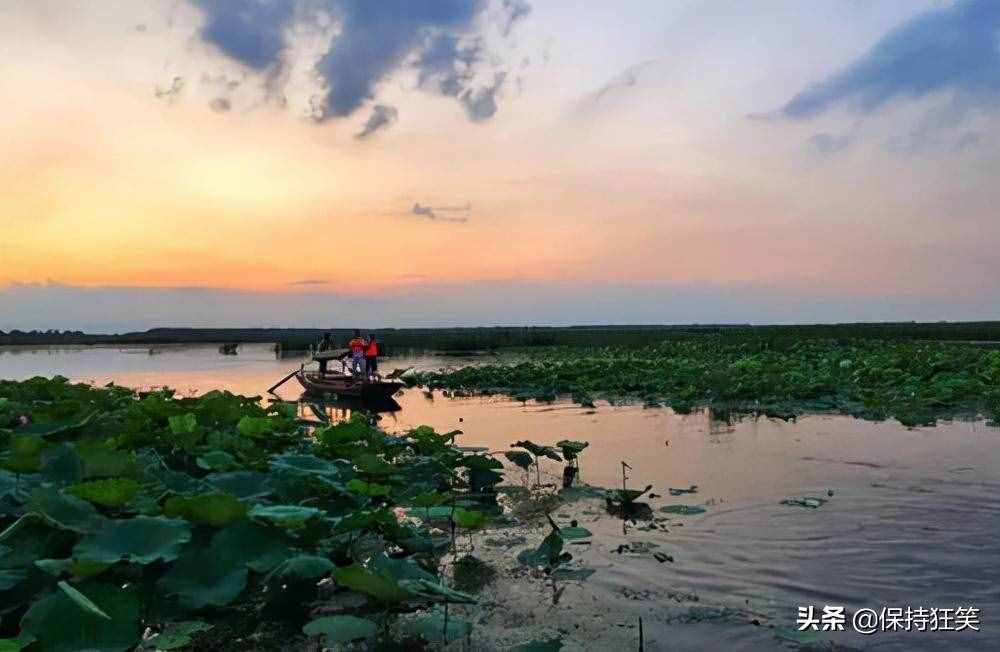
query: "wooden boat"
342, 384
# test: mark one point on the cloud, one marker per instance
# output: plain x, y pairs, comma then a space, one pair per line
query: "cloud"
513, 10
457, 213
481, 103
220, 104
170, 94
311, 281
827, 144
250, 31
956, 49
374, 40
382, 117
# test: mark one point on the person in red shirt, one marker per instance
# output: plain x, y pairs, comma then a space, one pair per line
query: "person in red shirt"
371, 357
357, 346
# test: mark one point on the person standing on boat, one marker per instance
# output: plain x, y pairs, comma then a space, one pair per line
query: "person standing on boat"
371, 357
357, 347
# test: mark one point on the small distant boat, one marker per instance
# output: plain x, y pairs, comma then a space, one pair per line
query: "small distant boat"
343, 384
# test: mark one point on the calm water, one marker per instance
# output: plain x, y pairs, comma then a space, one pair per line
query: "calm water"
913, 521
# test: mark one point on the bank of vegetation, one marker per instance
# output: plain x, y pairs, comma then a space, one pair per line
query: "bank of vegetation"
502, 337
914, 382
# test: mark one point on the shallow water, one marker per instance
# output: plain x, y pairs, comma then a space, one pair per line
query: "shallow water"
912, 521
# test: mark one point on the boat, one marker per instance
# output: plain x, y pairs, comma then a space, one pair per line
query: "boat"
343, 384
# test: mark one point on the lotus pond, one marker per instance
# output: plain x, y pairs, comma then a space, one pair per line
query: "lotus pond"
739, 527
913, 382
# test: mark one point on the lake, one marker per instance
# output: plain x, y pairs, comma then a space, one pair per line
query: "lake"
911, 518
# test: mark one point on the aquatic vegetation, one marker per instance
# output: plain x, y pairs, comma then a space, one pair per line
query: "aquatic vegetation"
808, 502
684, 510
124, 512
914, 382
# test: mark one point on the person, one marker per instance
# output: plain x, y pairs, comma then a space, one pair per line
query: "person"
371, 357
357, 347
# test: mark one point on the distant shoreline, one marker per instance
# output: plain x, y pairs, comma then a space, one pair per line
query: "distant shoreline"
495, 337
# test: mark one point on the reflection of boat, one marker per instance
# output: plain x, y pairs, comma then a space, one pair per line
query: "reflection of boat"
339, 408
341, 384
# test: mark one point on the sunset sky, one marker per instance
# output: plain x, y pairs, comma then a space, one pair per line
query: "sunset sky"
464, 162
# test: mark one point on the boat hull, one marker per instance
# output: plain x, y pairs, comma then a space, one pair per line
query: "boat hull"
346, 385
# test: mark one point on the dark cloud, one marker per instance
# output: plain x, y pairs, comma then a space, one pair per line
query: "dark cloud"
445, 66
171, 93
481, 103
311, 281
514, 10
250, 31
375, 38
382, 117
220, 104
951, 49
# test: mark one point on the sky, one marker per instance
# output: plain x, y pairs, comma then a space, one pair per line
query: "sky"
480, 162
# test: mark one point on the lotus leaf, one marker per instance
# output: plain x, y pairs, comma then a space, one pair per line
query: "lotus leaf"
78, 569
185, 424
24, 454
110, 492
370, 489
140, 540
59, 624
68, 511
29, 538
469, 519
547, 554
570, 533
520, 458
289, 517
538, 451
82, 601
337, 630
571, 448
242, 484
254, 427
303, 567
685, 510
436, 592
809, 502
206, 577
101, 460
260, 547
215, 509
217, 461
379, 586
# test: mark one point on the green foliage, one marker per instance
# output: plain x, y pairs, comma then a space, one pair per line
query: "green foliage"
215, 509
289, 517
520, 458
110, 492
140, 540
207, 504
337, 630
206, 577
60, 624
763, 372
469, 519
684, 510
547, 554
